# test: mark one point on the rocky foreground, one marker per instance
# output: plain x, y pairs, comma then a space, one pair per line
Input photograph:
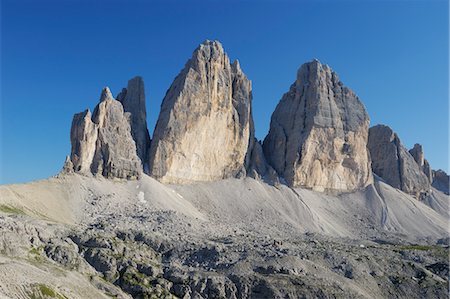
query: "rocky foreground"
78, 237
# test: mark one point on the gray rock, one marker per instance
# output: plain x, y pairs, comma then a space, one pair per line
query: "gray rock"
259, 168
394, 164
205, 128
441, 181
419, 157
102, 144
133, 101
318, 133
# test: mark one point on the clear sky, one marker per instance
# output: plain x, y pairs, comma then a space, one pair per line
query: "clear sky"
56, 57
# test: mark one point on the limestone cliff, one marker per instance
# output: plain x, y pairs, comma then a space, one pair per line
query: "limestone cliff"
102, 143
205, 129
318, 133
133, 101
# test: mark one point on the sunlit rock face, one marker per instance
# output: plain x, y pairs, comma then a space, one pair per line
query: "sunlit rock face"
393, 163
205, 129
318, 133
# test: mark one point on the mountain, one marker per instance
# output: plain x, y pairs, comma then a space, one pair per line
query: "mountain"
102, 143
205, 128
318, 133
324, 207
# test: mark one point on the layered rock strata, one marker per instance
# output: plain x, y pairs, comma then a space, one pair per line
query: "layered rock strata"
318, 133
205, 129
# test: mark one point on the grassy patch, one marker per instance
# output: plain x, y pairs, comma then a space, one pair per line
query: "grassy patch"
435, 250
42, 291
416, 247
10, 210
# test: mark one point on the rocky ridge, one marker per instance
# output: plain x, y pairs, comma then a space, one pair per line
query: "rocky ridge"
318, 138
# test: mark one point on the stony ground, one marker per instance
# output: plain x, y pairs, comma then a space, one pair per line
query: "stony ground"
145, 247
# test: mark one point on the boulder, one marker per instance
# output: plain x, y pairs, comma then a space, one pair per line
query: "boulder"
394, 164
318, 133
205, 129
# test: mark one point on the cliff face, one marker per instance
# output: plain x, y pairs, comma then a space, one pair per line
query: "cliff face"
102, 144
419, 156
393, 163
318, 133
205, 128
133, 101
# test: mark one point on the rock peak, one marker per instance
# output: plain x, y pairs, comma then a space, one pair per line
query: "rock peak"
102, 143
106, 94
318, 133
419, 157
205, 129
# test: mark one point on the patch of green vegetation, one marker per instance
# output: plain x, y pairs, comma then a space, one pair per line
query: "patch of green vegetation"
416, 247
11, 210
434, 250
42, 291
36, 250
135, 278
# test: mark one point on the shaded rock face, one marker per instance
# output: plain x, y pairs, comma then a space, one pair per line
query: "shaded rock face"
318, 133
259, 168
205, 129
394, 164
102, 143
133, 101
419, 157
441, 181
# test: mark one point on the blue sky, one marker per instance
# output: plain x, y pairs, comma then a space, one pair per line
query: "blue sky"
56, 56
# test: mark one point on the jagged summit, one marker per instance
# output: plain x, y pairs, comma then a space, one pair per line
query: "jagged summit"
106, 94
102, 143
318, 133
205, 129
